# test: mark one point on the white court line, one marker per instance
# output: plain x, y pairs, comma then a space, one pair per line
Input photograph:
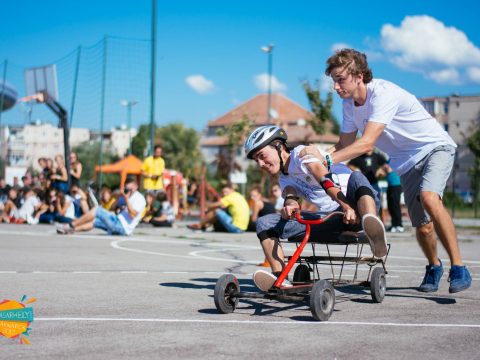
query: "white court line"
249, 322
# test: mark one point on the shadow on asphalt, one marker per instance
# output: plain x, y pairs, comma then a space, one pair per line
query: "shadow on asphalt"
209, 283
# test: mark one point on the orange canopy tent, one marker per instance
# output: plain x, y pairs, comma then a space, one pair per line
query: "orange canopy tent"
131, 165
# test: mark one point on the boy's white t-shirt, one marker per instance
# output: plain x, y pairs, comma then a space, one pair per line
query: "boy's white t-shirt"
138, 203
307, 186
410, 132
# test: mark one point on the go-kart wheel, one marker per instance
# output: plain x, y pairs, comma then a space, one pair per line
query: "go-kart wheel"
378, 285
322, 300
301, 274
226, 289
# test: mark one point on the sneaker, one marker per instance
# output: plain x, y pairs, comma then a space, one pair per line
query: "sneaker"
264, 280
65, 229
459, 278
396, 229
375, 232
433, 274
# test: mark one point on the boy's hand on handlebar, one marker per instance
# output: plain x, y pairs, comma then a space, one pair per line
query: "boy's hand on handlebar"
350, 216
289, 211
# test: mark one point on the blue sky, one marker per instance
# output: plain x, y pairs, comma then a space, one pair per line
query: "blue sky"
208, 52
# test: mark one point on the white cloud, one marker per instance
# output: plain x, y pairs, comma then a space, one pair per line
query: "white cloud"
326, 83
200, 84
473, 74
261, 82
445, 76
340, 46
426, 45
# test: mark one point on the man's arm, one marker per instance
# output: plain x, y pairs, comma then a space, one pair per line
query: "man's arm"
344, 140
319, 172
361, 145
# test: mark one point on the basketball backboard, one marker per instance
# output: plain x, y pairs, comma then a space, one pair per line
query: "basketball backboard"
42, 79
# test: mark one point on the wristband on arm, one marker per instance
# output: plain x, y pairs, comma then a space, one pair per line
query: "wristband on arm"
330, 180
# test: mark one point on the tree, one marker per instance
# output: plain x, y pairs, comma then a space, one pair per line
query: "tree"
181, 148
321, 109
139, 141
87, 154
236, 134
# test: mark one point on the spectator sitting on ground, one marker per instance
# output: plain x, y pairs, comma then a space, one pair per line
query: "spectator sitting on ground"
58, 208
30, 206
259, 207
106, 198
277, 199
229, 214
149, 208
122, 224
10, 211
164, 214
80, 200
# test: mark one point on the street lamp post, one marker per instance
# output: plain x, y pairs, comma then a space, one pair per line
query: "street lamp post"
128, 104
269, 50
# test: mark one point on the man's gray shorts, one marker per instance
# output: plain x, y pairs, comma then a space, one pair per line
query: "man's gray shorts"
273, 226
429, 174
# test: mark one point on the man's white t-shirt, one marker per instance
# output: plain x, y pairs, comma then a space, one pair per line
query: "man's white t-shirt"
307, 186
138, 203
410, 132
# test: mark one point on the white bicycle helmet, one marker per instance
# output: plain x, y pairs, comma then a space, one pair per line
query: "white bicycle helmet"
263, 136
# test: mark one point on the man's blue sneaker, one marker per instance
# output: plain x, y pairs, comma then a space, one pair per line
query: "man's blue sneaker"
433, 274
460, 278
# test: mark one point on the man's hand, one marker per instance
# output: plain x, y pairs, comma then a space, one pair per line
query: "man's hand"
350, 216
323, 156
288, 210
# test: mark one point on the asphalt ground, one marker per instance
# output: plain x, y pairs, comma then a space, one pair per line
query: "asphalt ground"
151, 296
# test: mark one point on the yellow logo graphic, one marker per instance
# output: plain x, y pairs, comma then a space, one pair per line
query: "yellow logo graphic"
15, 318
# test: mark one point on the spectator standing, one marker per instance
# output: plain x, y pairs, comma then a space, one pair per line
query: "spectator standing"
75, 169
60, 177
152, 170
394, 194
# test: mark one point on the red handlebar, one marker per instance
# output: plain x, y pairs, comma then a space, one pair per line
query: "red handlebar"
298, 217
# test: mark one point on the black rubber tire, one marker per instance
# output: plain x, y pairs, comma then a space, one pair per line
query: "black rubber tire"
378, 285
226, 286
301, 274
322, 300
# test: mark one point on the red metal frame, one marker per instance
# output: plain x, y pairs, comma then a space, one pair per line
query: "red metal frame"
300, 248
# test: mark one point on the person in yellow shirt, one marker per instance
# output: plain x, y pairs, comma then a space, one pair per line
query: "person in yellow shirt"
229, 214
152, 170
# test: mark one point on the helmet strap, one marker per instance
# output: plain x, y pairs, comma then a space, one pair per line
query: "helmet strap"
279, 152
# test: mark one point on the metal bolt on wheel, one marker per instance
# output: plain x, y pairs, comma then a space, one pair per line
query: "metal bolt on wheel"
322, 300
226, 289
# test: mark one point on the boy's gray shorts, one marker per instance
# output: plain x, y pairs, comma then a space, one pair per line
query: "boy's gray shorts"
429, 174
273, 226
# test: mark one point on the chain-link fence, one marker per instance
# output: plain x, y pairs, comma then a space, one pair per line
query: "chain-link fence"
92, 82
